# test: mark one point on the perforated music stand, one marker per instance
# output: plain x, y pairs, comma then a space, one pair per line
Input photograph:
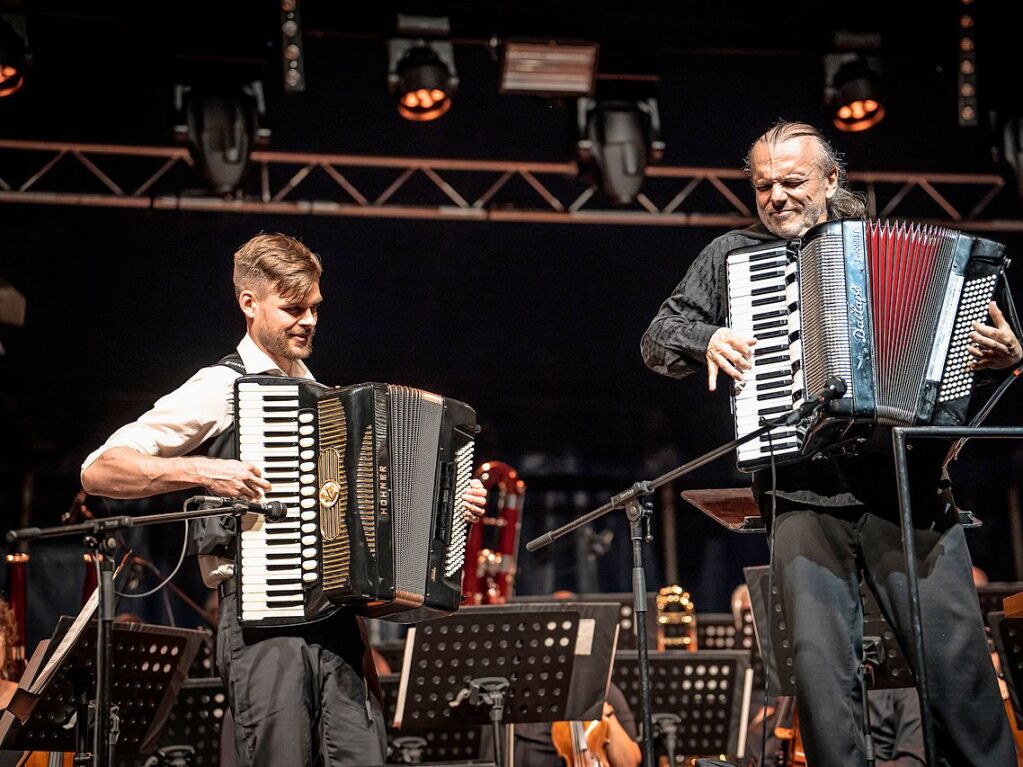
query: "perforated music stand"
194, 724
626, 612
554, 661
708, 690
436, 745
150, 663
890, 667
717, 631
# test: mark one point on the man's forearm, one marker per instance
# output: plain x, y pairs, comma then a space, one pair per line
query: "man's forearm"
622, 751
121, 472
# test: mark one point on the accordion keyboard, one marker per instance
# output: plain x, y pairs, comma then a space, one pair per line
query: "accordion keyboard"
278, 558
758, 305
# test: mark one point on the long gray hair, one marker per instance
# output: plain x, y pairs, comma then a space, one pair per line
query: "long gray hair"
845, 203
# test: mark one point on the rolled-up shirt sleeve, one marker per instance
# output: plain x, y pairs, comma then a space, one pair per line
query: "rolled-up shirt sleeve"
675, 343
180, 421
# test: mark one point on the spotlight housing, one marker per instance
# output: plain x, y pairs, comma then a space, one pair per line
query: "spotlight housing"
854, 91
13, 55
422, 78
619, 138
220, 125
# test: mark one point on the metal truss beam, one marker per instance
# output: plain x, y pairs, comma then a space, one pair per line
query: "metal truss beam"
302, 183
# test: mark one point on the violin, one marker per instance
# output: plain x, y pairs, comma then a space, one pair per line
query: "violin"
582, 744
787, 731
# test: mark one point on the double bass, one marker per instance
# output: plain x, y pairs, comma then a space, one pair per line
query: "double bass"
490, 553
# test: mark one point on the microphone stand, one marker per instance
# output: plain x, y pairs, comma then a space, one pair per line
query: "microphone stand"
100, 540
636, 504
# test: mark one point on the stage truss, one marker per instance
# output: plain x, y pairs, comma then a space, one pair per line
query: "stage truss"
298, 183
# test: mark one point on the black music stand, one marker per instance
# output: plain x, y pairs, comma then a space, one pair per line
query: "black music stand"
431, 745
193, 727
890, 668
700, 699
626, 612
151, 664
507, 664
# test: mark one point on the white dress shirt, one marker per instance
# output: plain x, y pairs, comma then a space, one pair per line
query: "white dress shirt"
196, 411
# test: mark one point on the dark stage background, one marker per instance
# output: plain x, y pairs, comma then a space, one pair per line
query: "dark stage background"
537, 326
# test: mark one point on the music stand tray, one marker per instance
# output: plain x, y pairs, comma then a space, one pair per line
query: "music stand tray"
735, 509
709, 690
891, 668
150, 663
556, 658
731, 507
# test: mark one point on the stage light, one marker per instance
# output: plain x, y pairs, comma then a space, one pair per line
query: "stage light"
421, 71
548, 68
13, 54
220, 124
854, 91
619, 139
422, 78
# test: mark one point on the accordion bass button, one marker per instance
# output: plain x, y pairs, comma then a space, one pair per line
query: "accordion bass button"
305, 417
309, 564
310, 577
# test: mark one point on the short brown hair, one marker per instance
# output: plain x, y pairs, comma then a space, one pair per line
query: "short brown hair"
276, 262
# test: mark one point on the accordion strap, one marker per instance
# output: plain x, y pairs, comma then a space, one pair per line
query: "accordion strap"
233, 361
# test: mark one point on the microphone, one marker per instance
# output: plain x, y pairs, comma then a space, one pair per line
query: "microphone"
834, 388
274, 511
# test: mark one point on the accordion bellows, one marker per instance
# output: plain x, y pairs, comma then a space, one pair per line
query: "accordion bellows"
885, 306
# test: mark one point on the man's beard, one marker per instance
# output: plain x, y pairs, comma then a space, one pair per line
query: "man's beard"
277, 344
811, 214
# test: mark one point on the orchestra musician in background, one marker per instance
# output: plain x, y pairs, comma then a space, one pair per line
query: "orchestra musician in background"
299, 695
839, 515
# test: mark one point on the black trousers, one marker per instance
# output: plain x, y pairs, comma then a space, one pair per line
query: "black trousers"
818, 558
297, 695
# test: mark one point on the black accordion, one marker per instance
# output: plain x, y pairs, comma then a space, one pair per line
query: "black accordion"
885, 306
372, 476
